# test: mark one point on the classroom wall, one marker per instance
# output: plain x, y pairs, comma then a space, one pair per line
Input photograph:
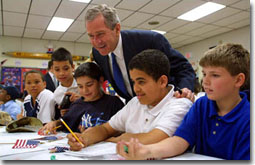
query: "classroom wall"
196, 50
38, 46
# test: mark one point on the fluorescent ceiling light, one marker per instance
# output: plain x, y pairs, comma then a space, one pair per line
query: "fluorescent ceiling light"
59, 24
82, 1
158, 31
201, 11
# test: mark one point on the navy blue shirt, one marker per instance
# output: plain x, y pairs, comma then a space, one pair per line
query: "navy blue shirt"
226, 137
90, 114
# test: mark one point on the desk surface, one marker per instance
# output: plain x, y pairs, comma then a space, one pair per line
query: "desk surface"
100, 151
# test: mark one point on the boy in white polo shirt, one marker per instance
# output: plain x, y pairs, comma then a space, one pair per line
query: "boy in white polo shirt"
151, 116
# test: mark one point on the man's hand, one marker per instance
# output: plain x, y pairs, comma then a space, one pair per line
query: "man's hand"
185, 93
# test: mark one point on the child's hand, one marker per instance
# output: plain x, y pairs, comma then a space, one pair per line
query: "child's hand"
73, 97
19, 116
74, 144
133, 150
48, 128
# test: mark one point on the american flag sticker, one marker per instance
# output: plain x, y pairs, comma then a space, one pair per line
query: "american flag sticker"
23, 143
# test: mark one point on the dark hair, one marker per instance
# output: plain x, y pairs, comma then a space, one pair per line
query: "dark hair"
50, 63
89, 69
62, 54
151, 61
233, 57
34, 71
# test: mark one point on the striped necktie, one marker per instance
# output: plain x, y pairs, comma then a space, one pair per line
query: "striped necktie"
118, 75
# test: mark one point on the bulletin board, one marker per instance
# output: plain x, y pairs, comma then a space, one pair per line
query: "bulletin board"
14, 76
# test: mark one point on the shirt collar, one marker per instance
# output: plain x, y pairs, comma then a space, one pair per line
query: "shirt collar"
233, 115
156, 109
119, 50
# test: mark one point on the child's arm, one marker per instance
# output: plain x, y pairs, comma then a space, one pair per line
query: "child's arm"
93, 135
151, 137
166, 148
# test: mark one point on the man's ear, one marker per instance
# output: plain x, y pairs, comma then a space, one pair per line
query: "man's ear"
163, 81
240, 79
117, 27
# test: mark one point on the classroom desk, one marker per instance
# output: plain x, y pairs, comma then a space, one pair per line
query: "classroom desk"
100, 151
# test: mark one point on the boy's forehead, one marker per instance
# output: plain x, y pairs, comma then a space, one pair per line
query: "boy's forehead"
60, 63
31, 76
136, 73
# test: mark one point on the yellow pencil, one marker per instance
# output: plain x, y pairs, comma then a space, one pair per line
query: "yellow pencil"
69, 129
47, 131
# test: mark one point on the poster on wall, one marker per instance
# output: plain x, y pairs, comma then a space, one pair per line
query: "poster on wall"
15, 76
11, 77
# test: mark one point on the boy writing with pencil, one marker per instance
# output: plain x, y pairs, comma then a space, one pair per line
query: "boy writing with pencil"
151, 116
218, 124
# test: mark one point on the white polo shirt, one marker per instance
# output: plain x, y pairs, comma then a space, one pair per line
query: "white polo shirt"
60, 91
138, 118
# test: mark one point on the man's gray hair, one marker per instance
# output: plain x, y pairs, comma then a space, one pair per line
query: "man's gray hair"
110, 15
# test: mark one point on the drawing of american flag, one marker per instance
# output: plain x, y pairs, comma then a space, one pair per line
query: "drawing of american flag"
23, 143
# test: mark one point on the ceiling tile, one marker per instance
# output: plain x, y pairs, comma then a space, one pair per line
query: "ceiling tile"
170, 35
233, 19
70, 9
154, 7
201, 30
240, 24
70, 36
181, 8
215, 32
110, 3
160, 19
123, 13
82, 15
225, 2
1, 21
44, 7
179, 38
187, 27
219, 15
84, 38
13, 31
20, 6
52, 35
244, 5
125, 28
132, 5
176, 45
38, 22
33, 33
14, 19
77, 27
191, 40
172, 25
136, 19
